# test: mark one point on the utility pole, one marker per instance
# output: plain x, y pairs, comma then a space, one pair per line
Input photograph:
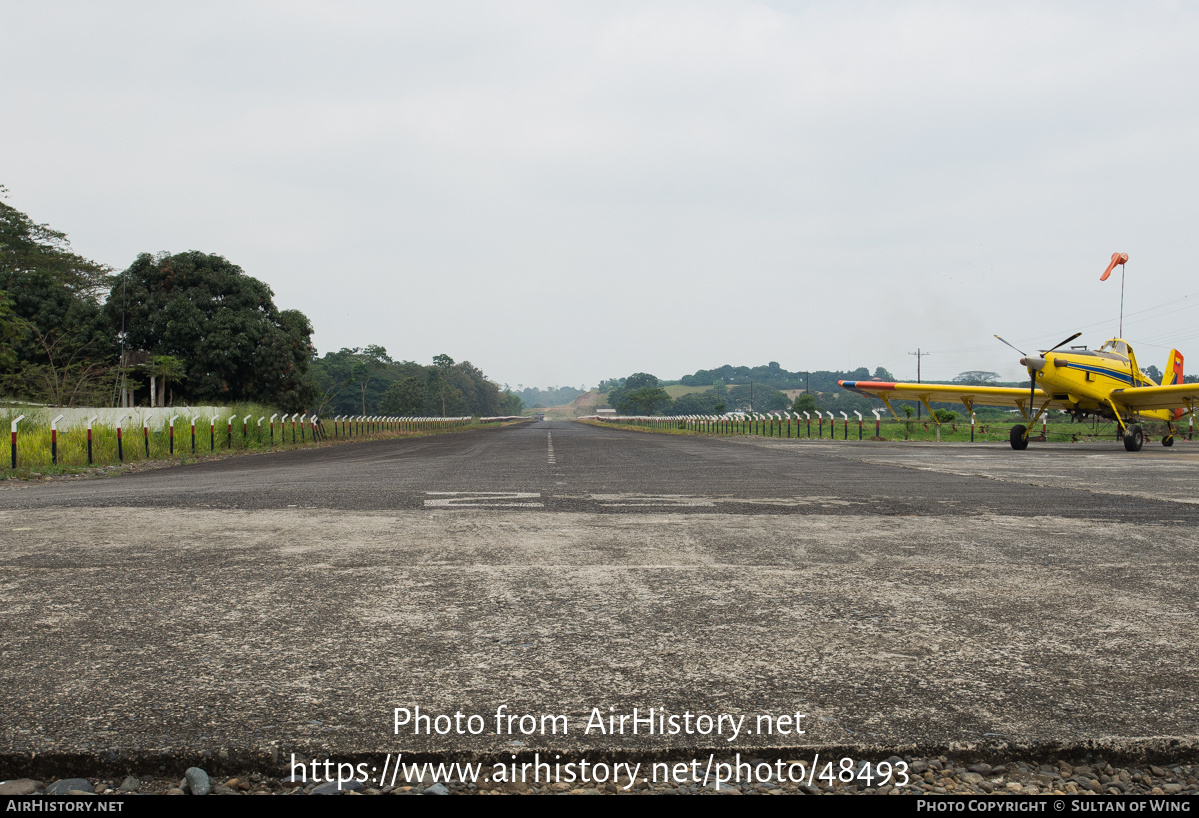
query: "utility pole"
918, 355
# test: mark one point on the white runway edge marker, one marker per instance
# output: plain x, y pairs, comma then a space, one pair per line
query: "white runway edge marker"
549, 440
482, 499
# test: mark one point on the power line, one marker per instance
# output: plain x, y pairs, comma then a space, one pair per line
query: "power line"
1175, 302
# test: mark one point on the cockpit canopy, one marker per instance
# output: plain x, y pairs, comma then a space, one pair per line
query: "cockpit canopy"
1116, 346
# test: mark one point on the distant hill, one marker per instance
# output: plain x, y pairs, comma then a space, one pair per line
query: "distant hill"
584, 404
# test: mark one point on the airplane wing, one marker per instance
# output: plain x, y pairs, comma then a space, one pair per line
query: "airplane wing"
1179, 396
1008, 396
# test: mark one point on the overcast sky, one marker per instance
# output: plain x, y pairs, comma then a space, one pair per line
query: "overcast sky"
564, 192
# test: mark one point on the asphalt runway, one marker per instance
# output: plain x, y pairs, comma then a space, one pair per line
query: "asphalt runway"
896, 595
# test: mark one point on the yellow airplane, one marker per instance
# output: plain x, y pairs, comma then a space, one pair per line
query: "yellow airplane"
1106, 383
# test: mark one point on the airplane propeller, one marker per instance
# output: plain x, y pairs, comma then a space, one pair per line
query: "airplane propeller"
1063, 343
1035, 364
1013, 346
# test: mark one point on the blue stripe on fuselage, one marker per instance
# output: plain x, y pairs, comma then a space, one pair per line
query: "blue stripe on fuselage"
1098, 370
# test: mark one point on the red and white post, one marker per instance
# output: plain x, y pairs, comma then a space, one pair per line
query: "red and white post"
89, 437
16, 420
54, 439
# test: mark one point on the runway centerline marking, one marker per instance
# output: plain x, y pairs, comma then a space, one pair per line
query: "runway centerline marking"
549, 442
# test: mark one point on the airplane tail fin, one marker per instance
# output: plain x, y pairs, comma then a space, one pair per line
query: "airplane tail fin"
1173, 375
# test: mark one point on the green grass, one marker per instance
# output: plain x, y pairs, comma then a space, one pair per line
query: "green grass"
915, 430
34, 440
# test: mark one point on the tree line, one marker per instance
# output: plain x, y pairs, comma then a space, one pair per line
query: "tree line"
773, 375
367, 381
536, 398
191, 328
643, 394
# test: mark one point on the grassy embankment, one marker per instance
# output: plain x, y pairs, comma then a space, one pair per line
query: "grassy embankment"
34, 440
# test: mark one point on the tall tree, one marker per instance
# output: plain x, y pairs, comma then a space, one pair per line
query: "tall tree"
223, 323
640, 395
977, 377
804, 403
648, 400
370, 360
55, 342
640, 380
441, 389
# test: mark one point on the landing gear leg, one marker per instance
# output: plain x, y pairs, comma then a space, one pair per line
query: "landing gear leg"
1168, 440
1134, 437
1019, 435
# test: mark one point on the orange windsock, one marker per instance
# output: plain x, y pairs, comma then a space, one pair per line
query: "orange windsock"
1117, 258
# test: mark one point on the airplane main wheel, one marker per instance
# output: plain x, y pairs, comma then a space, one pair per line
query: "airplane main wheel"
1168, 440
1018, 439
1134, 439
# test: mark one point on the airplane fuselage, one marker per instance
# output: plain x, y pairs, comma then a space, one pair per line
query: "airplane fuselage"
1081, 381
